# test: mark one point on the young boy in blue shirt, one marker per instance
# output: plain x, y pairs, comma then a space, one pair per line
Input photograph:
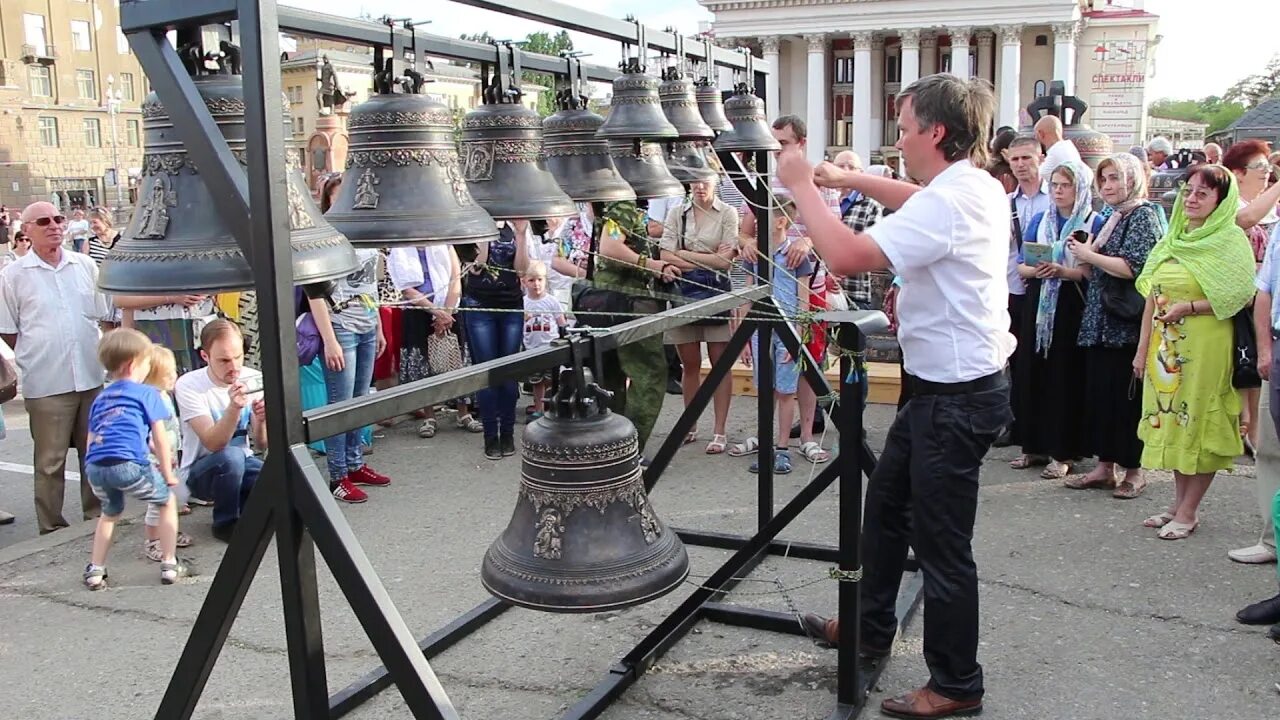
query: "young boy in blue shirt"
121, 418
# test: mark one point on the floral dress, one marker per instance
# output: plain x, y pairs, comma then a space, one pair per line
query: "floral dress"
1190, 411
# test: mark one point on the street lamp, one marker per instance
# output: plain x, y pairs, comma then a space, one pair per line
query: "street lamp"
114, 97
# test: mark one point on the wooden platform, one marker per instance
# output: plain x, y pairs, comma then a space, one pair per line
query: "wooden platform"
885, 381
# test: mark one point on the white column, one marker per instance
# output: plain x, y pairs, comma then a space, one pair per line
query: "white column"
862, 127
986, 54
928, 52
818, 87
1010, 73
1064, 54
960, 51
877, 94
910, 56
772, 101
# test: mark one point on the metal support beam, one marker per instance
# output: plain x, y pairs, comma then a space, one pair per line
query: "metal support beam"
148, 15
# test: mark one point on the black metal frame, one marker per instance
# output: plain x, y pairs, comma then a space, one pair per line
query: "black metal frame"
291, 501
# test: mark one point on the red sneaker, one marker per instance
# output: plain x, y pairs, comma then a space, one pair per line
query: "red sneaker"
366, 476
346, 492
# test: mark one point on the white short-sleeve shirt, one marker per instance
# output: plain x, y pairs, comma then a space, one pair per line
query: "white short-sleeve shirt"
949, 244
55, 312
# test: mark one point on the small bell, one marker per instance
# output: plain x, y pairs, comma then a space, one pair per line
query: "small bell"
584, 536
581, 162
634, 110
687, 162
750, 128
504, 166
680, 106
711, 106
644, 168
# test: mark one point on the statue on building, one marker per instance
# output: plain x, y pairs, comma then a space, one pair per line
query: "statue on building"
331, 97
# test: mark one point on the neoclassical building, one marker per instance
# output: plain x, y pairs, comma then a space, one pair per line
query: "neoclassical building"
840, 63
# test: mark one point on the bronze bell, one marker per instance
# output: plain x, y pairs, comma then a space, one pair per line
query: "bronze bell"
504, 167
584, 536
579, 161
403, 182
711, 106
687, 162
680, 105
634, 110
644, 168
750, 128
176, 241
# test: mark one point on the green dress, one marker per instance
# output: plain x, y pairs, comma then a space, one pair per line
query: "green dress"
1190, 411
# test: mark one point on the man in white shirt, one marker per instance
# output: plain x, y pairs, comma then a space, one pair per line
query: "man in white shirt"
948, 241
1058, 150
1158, 152
78, 231
219, 414
50, 310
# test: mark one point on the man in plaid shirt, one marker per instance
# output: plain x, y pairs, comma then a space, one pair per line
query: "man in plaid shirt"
859, 212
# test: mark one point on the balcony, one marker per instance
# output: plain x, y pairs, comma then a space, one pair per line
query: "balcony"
38, 54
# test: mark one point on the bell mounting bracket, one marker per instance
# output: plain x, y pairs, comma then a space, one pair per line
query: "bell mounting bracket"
578, 395
634, 64
676, 68
572, 95
505, 87
708, 47
745, 87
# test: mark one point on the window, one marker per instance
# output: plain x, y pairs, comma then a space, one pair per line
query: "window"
1042, 41
92, 132
299, 125
87, 84
131, 133
126, 86
41, 83
891, 70
48, 131
33, 32
122, 42
843, 70
81, 37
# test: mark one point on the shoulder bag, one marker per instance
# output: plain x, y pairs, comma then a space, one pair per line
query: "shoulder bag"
1244, 358
702, 283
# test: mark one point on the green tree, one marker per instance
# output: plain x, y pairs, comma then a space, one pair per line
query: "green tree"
1216, 111
1255, 88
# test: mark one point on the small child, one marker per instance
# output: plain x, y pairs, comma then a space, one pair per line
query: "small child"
543, 314
116, 463
791, 294
163, 375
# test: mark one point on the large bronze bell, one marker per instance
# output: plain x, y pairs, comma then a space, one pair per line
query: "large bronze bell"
403, 182
711, 106
176, 241
643, 166
504, 167
680, 105
635, 112
750, 128
580, 161
687, 162
584, 536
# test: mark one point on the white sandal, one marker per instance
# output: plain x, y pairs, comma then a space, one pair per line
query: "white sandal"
750, 446
427, 429
814, 453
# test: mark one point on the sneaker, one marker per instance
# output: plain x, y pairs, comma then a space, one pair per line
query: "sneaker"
508, 445
171, 572
224, 531
492, 448
349, 493
95, 577
366, 476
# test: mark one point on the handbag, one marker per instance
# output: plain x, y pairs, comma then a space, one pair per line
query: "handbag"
1244, 372
444, 353
595, 307
8, 380
702, 283
309, 341
1121, 299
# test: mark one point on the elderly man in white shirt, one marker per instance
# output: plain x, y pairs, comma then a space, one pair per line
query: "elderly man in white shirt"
50, 310
1058, 150
948, 241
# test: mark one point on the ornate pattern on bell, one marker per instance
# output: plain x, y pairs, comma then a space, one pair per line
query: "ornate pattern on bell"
403, 182
504, 167
687, 162
680, 105
584, 536
1093, 145
750, 127
635, 111
644, 167
176, 241
711, 106
580, 161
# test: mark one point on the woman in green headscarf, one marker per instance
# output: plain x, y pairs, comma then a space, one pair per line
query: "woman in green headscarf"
1195, 280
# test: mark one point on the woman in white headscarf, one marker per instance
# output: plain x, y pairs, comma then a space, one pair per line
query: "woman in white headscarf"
1049, 364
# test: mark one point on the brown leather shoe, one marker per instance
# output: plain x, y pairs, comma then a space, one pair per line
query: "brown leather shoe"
925, 703
827, 633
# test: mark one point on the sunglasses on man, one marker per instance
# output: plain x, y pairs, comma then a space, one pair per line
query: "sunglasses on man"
44, 221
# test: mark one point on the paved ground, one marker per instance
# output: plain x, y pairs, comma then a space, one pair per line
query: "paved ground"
1086, 615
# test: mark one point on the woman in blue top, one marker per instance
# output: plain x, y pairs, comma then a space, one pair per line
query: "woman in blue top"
1049, 364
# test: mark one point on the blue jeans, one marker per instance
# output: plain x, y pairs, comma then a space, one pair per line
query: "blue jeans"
492, 335
112, 482
343, 452
225, 477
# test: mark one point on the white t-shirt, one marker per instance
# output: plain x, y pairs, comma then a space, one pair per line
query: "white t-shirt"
198, 396
1063, 151
78, 229
540, 326
949, 244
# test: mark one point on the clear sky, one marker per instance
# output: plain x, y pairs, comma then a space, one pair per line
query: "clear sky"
1206, 46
